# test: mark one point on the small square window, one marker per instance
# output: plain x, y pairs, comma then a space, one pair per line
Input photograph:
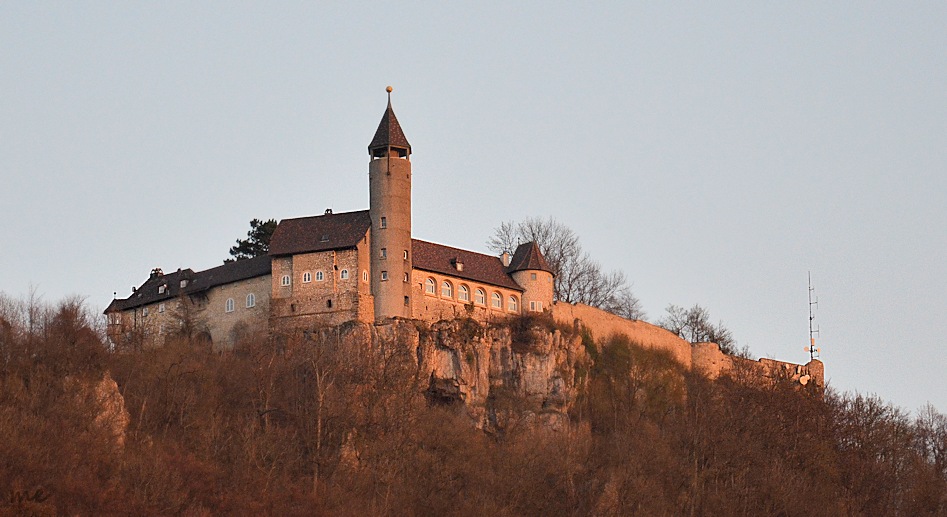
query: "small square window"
532, 276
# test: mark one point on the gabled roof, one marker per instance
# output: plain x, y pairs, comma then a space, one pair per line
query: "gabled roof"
477, 267
528, 256
228, 273
389, 132
319, 233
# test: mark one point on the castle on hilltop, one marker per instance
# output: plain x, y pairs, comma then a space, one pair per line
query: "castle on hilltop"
366, 267
337, 267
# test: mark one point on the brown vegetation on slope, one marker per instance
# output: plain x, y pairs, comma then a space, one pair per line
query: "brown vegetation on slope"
311, 427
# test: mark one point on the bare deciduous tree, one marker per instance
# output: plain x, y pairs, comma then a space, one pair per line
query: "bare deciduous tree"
694, 325
579, 279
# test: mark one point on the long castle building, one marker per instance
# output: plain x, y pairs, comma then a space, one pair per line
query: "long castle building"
336, 267
366, 266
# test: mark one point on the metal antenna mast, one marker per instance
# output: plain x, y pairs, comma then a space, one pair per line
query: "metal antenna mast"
813, 331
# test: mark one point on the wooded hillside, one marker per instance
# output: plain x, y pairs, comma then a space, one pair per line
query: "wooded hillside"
308, 427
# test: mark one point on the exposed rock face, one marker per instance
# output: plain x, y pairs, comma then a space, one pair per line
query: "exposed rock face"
499, 373
111, 414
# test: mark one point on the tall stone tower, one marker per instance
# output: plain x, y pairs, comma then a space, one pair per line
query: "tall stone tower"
389, 205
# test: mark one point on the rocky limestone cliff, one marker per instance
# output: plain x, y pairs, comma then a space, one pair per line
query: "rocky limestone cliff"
500, 373
531, 369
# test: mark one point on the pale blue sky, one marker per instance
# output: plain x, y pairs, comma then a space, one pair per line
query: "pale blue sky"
715, 153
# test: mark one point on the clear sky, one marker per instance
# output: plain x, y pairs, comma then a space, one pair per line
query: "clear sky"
715, 153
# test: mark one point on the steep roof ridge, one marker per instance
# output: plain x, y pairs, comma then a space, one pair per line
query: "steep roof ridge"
200, 281
477, 267
320, 232
528, 256
389, 132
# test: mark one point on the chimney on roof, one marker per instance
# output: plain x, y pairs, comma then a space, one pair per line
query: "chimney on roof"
505, 258
328, 211
156, 272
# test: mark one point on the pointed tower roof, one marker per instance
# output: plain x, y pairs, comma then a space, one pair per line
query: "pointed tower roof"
528, 256
389, 133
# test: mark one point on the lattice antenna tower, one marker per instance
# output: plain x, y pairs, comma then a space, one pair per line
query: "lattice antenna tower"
813, 329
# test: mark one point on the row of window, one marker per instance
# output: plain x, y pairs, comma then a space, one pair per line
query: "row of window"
384, 254
320, 276
251, 302
463, 295
164, 287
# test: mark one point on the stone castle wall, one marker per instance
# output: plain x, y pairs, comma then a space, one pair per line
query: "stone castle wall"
703, 357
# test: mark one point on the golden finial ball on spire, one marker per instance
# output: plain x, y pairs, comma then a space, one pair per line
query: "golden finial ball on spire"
389, 89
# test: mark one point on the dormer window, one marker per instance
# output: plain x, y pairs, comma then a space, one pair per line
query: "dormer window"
183, 283
161, 288
324, 238
457, 263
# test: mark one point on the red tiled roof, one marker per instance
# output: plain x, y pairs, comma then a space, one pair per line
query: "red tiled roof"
478, 267
528, 256
320, 233
389, 132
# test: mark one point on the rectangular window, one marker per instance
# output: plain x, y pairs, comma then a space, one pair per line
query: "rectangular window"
384, 253
406, 254
384, 223
406, 301
532, 276
384, 275
160, 307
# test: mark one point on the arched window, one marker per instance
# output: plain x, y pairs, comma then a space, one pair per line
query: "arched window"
463, 293
364, 275
430, 286
480, 297
344, 274
513, 306
307, 277
496, 301
284, 280
229, 305
447, 290
320, 276
251, 300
